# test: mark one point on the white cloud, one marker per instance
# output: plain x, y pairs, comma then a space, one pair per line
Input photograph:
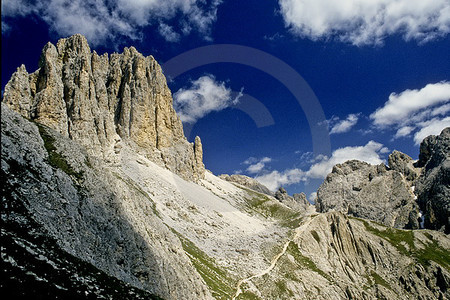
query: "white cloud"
403, 131
402, 106
418, 111
342, 126
431, 127
312, 197
168, 33
275, 179
102, 20
370, 153
257, 166
204, 96
367, 22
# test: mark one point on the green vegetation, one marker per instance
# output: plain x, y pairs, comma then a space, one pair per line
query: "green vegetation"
292, 222
218, 281
282, 289
315, 235
304, 261
399, 238
247, 295
261, 204
379, 280
434, 252
55, 159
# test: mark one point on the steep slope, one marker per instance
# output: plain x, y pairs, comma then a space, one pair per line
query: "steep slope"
433, 186
90, 211
333, 256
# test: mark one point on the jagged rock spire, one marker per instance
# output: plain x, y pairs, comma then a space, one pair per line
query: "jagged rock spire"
103, 100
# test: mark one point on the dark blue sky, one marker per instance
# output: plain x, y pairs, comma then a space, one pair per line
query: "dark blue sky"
347, 78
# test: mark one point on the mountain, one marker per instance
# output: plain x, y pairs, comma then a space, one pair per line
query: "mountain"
404, 194
104, 198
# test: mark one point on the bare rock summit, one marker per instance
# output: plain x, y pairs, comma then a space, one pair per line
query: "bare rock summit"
103, 101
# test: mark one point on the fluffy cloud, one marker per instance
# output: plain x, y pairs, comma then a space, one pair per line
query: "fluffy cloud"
168, 33
367, 22
275, 179
371, 153
102, 20
255, 165
415, 111
342, 126
204, 96
403, 106
431, 127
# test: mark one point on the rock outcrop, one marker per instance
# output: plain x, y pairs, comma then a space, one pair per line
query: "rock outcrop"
296, 201
395, 195
102, 101
248, 182
92, 212
334, 256
433, 186
373, 192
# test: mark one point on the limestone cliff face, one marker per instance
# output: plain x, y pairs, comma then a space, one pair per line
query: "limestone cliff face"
52, 190
393, 194
433, 186
102, 101
373, 192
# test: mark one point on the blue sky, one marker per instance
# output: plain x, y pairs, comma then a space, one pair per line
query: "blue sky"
372, 75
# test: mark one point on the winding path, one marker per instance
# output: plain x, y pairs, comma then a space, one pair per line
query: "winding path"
298, 230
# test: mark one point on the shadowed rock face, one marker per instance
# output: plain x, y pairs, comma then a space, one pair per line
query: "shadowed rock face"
103, 101
76, 206
433, 186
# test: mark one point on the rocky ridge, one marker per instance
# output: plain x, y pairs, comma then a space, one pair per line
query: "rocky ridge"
103, 101
396, 195
248, 182
433, 185
90, 211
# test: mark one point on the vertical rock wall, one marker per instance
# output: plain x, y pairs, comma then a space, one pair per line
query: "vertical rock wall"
102, 101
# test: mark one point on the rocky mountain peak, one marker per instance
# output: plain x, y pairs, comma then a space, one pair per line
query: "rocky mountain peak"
105, 102
403, 194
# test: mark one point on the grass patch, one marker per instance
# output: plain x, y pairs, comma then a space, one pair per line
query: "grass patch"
282, 289
434, 252
315, 235
398, 238
270, 208
55, 159
218, 281
379, 280
304, 261
247, 295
